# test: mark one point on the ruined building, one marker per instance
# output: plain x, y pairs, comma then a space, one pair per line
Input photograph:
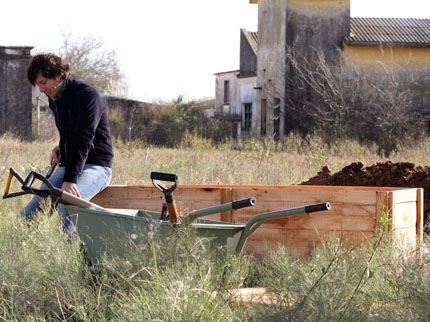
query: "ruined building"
259, 95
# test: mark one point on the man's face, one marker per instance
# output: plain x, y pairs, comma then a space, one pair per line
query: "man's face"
49, 86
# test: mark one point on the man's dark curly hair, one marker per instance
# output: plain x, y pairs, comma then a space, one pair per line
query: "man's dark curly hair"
49, 65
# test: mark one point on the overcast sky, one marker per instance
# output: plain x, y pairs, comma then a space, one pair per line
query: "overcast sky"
165, 48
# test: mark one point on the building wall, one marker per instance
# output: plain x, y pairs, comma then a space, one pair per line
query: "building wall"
248, 58
314, 28
302, 27
271, 60
233, 106
409, 66
378, 57
15, 92
248, 94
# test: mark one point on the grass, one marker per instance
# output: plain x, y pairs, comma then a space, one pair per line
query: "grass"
43, 275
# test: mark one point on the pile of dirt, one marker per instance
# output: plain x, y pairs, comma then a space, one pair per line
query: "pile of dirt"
383, 174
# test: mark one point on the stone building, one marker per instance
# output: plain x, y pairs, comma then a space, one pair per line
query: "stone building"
235, 94
15, 92
308, 28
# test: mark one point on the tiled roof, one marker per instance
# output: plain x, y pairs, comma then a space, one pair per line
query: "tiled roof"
401, 32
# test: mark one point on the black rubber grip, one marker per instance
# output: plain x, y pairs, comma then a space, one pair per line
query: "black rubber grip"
29, 180
51, 170
164, 176
318, 207
243, 203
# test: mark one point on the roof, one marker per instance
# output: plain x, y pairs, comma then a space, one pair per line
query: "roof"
252, 38
228, 72
393, 32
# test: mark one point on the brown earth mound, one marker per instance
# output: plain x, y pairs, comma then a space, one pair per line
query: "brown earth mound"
384, 174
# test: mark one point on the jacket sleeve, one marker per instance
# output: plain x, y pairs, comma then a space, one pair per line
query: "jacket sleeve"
89, 108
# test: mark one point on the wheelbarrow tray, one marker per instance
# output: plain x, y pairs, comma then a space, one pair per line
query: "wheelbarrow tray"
108, 230
112, 230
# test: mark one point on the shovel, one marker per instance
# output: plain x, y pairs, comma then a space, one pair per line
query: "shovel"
56, 194
156, 178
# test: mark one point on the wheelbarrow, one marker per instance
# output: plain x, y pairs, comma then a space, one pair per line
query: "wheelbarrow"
102, 230
105, 231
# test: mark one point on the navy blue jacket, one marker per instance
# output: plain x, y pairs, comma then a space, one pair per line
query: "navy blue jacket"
82, 120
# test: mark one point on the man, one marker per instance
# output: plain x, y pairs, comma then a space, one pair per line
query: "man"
85, 152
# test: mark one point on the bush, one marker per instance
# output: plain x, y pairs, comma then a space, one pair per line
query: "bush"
163, 125
345, 102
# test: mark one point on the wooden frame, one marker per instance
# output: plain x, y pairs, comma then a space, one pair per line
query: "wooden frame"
355, 213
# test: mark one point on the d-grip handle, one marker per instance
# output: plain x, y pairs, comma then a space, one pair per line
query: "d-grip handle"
50, 191
156, 177
164, 176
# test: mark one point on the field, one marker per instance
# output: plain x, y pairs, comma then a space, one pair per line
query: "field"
43, 275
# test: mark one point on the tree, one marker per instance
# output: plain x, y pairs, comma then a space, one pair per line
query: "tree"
91, 62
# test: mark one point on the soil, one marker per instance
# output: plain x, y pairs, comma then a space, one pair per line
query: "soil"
383, 174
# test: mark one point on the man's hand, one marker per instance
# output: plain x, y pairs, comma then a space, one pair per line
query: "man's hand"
71, 188
55, 155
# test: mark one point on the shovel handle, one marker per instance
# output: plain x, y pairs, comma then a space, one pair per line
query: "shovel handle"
173, 211
70, 199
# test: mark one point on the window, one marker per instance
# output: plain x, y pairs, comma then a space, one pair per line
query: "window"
226, 92
247, 118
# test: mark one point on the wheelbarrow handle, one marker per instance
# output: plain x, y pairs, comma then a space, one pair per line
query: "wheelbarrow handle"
318, 207
257, 220
238, 204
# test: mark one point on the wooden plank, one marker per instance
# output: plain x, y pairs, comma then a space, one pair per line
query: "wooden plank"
405, 215
302, 242
420, 214
226, 196
302, 187
130, 197
341, 216
307, 196
406, 195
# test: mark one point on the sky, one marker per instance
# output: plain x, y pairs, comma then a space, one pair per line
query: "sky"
165, 48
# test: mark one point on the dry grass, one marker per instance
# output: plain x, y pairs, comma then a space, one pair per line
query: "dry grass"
42, 275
